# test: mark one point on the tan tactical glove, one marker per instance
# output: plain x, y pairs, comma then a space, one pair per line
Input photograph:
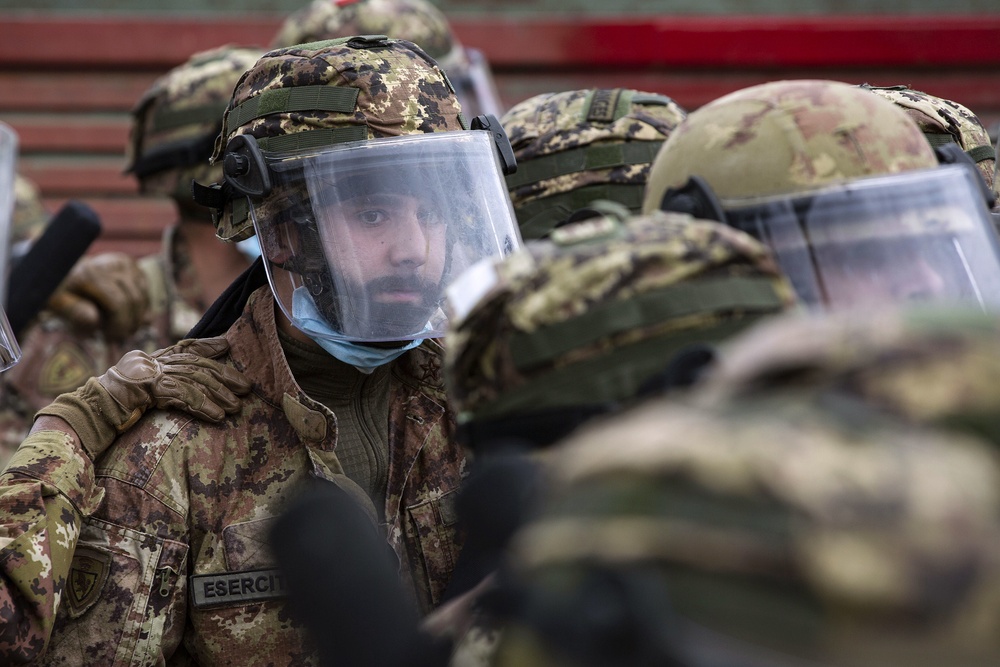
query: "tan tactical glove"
181, 377
107, 291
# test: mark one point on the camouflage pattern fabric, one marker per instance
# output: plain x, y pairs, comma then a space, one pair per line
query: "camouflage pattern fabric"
416, 21
172, 568
934, 365
586, 316
399, 91
580, 145
761, 533
29, 217
184, 108
45, 492
785, 137
944, 121
57, 358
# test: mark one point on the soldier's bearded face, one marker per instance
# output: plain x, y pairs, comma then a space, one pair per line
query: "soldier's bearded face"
388, 250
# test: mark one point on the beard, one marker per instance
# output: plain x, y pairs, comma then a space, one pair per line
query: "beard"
364, 311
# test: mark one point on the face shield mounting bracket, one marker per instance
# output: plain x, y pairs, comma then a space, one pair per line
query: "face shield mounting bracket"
244, 168
951, 153
491, 124
695, 198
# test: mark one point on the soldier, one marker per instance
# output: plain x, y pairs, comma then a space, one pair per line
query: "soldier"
770, 533
575, 147
843, 188
154, 303
417, 21
944, 121
349, 161
577, 325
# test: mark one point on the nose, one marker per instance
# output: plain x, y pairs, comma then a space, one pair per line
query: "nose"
410, 245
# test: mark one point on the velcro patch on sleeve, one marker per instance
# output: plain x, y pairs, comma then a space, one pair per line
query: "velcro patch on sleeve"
235, 588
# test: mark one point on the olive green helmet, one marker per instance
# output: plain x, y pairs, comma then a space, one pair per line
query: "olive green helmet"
176, 121
326, 93
578, 146
758, 534
586, 317
844, 189
944, 121
784, 137
416, 21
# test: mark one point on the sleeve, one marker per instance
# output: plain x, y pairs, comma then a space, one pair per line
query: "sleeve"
46, 490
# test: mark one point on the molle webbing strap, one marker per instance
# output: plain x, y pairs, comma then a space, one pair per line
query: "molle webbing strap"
169, 119
538, 217
978, 154
644, 310
310, 139
304, 98
584, 158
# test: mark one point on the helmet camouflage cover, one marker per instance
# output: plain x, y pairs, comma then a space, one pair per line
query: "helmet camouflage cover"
584, 317
786, 137
176, 121
378, 87
943, 121
416, 21
929, 364
577, 146
760, 533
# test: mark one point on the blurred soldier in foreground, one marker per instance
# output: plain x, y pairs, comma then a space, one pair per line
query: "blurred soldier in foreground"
417, 21
577, 147
843, 188
154, 303
576, 325
350, 162
764, 533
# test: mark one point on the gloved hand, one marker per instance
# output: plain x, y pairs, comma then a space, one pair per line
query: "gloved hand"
107, 291
181, 377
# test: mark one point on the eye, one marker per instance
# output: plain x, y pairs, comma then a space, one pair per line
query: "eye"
428, 217
371, 217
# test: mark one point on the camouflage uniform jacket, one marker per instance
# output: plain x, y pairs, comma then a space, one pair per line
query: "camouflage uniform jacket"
173, 567
58, 358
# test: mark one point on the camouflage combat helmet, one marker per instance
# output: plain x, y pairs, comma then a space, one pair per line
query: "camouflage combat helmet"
330, 92
176, 121
583, 145
943, 121
763, 534
929, 364
417, 21
29, 216
785, 137
584, 318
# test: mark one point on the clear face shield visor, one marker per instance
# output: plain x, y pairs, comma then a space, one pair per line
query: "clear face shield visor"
370, 233
918, 236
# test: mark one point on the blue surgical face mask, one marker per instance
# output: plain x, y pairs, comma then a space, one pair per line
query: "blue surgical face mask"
249, 247
366, 359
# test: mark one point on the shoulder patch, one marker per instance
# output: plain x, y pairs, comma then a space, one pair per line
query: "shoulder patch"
66, 369
87, 576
